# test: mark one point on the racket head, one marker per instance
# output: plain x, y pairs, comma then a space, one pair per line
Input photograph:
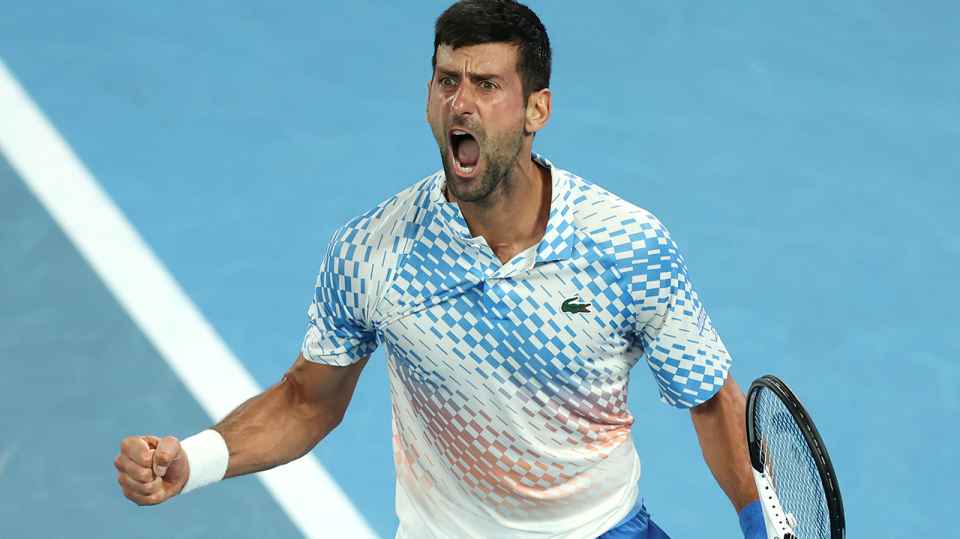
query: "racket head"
783, 442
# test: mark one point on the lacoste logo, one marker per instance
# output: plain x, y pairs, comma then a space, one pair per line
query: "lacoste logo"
569, 306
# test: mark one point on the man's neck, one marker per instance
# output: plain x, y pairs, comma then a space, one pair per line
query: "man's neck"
515, 218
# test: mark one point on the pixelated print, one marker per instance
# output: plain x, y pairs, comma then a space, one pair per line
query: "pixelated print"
509, 381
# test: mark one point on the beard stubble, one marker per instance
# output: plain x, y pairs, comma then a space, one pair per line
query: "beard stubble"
499, 156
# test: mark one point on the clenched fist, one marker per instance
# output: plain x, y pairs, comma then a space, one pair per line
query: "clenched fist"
151, 470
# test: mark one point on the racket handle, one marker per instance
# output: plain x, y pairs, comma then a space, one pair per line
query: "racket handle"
777, 522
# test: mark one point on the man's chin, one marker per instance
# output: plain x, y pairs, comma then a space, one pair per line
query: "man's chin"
459, 186
475, 187
466, 189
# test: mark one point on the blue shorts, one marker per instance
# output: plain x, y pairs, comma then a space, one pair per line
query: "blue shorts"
638, 527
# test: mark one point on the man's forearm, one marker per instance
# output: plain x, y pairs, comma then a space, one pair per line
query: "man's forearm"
271, 429
721, 429
287, 420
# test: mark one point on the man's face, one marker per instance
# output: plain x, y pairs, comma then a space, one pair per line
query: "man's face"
476, 110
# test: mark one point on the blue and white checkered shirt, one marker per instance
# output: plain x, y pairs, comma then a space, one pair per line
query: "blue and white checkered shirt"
509, 381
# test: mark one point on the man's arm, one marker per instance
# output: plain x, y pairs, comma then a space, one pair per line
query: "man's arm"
721, 429
280, 425
286, 421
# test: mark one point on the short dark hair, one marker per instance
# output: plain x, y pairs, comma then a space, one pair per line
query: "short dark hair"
474, 22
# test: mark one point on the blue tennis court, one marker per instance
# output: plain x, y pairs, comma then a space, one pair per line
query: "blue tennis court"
805, 157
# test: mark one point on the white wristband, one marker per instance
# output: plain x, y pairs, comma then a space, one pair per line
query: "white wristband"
208, 456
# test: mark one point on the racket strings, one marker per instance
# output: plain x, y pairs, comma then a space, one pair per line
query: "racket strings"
787, 459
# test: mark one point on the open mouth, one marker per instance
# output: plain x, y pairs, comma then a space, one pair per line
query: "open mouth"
466, 152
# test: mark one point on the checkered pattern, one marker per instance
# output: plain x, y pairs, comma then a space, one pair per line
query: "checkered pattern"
509, 381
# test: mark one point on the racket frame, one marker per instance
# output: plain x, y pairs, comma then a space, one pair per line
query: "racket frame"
818, 450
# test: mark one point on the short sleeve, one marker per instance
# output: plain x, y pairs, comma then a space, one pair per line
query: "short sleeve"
339, 331
684, 352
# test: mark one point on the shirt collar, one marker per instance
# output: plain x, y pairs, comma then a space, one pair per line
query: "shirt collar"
557, 242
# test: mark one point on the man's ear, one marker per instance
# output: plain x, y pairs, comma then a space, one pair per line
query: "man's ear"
538, 110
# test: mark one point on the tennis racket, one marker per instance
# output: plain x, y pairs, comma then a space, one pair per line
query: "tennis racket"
795, 479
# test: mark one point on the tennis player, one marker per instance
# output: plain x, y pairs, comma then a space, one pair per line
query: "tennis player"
513, 299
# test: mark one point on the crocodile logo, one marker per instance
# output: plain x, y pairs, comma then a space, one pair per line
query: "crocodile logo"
569, 306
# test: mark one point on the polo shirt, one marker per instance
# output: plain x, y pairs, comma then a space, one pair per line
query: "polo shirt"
509, 381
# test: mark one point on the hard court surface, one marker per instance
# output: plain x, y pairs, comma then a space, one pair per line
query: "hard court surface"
805, 157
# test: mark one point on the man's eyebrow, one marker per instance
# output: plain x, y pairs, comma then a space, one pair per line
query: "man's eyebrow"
472, 75
447, 72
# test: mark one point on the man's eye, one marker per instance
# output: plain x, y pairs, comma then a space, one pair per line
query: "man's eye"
447, 81
487, 85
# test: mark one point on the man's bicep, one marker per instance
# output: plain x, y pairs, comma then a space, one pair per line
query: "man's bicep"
728, 399
318, 383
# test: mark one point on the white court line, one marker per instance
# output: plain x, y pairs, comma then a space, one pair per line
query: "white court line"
155, 301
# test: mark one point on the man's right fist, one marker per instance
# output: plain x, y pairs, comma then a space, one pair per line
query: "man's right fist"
151, 470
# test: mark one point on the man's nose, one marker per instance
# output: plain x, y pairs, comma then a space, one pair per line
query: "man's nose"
463, 101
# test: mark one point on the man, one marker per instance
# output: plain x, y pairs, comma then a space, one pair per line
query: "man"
513, 299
